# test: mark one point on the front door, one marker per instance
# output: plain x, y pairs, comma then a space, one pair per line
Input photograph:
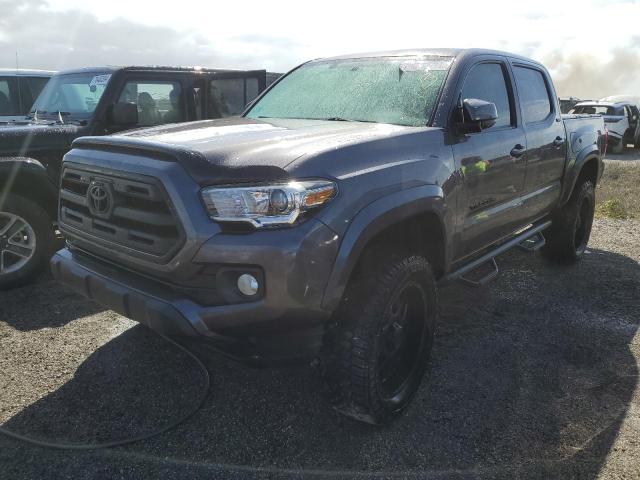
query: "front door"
492, 162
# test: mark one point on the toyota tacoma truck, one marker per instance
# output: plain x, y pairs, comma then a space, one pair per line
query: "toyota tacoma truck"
319, 224
93, 101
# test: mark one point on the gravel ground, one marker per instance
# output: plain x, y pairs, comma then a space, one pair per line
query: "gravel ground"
534, 376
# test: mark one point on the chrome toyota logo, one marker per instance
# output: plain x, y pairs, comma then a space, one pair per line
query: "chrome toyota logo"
99, 198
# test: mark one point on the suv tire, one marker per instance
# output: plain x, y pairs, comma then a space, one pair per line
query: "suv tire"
375, 355
26, 240
570, 229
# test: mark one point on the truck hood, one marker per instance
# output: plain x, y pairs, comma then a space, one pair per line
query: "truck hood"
21, 138
242, 149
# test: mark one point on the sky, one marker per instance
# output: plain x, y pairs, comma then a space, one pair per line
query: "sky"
589, 46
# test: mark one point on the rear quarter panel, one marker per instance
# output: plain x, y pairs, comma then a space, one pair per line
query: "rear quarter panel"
585, 141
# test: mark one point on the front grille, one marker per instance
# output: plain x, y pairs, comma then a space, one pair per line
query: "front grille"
114, 209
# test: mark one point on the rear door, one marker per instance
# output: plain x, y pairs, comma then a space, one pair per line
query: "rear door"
228, 93
492, 162
546, 138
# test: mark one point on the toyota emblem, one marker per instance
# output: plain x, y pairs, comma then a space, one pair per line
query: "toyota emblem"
99, 198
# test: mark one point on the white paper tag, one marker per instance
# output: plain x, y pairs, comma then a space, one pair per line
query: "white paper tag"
100, 80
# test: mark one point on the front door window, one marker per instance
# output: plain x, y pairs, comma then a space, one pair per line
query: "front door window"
158, 102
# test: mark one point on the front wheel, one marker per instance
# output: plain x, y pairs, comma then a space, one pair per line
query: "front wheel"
570, 230
375, 356
26, 239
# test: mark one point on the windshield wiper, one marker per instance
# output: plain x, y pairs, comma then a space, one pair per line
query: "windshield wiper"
60, 114
327, 119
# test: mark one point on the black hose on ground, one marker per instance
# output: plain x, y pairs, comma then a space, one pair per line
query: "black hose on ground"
125, 441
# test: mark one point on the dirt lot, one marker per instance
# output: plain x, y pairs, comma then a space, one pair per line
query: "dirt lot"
618, 194
534, 376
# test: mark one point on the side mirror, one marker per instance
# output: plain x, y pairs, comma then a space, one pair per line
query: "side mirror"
124, 114
477, 115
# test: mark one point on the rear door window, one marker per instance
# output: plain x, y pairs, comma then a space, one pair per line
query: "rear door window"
533, 93
158, 102
487, 81
8, 102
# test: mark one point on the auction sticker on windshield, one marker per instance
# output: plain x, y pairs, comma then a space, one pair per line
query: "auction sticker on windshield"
100, 80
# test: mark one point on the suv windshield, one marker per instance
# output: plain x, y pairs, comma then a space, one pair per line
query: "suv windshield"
76, 95
598, 110
395, 90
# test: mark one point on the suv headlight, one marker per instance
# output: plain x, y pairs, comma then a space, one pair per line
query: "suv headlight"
267, 205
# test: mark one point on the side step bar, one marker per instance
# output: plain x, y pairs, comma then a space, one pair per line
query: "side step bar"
533, 243
530, 240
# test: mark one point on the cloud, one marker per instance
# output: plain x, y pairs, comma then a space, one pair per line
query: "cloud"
59, 34
589, 76
57, 40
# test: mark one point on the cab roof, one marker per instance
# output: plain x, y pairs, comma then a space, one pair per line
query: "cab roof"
438, 52
144, 68
23, 72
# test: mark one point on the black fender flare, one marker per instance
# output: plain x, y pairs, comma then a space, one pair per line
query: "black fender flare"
574, 167
29, 178
370, 221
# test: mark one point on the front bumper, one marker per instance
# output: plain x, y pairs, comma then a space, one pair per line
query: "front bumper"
254, 332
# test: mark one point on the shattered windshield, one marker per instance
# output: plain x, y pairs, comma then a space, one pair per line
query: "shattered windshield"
394, 90
74, 95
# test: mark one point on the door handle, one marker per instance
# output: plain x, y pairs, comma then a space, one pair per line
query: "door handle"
558, 142
518, 151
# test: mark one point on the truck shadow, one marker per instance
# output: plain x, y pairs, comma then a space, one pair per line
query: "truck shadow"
530, 377
43, 304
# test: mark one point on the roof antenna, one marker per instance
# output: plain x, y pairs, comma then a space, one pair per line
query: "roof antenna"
19, 85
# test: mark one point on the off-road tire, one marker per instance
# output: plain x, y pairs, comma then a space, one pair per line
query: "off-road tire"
569, 233
352, 346
41, 224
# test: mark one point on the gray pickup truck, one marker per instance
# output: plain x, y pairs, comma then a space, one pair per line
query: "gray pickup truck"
319, 224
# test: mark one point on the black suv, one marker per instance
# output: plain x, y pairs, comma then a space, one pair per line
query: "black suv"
94, 101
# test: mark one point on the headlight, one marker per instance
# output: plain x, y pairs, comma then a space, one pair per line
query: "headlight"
267, 205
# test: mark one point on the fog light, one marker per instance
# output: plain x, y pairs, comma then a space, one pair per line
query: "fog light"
248, 285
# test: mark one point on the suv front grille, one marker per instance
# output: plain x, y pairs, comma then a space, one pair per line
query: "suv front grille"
128, 212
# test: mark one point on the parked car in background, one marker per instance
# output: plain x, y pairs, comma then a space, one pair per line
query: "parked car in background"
94, 101
621, 118
567, 103
319, 224
18, 90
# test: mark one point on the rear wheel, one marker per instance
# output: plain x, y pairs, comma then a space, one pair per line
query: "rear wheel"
570, 230
375, 356
26, 239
